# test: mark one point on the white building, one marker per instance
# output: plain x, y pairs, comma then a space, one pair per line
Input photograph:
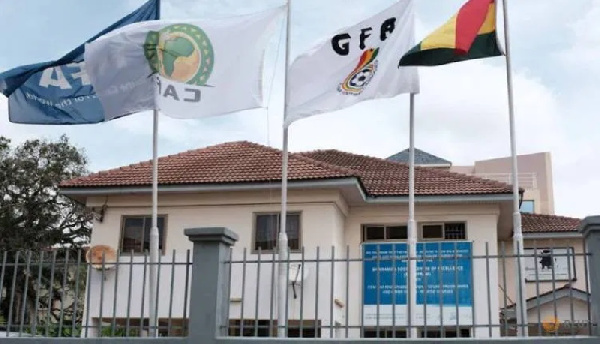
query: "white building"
338, 203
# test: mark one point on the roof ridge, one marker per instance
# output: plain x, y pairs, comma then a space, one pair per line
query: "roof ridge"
436, 172
422, 168
353, 154
336, 168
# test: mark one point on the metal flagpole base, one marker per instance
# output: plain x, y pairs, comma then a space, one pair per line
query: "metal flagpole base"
522, 324
412, 254
283, 278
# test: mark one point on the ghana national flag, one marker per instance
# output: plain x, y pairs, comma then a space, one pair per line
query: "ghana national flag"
468, 35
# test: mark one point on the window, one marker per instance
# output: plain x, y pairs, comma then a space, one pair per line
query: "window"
252, 328
447, 333
384, 332
444, 231
268, 328
135, 235
304, 329
455, 231
429, 231
528, 207
400, 332
381, 232
167, 327
266, 229
433, 231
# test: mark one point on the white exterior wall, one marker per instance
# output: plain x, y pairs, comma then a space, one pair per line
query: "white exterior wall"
531, 288
563, 312
321, 225
326, 221
481, 222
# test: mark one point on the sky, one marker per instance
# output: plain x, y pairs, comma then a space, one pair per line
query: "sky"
461, 111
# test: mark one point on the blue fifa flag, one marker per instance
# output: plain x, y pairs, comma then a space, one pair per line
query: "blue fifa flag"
60, 92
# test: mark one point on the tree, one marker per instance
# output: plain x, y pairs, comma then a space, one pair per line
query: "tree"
35, 218
33, 215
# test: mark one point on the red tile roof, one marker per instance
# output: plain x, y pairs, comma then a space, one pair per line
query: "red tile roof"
386, 178
536, 223
245, 162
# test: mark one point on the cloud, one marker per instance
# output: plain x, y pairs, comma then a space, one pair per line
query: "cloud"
585, 39
461, 113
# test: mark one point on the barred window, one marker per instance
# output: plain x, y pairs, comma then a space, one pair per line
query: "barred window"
444, 231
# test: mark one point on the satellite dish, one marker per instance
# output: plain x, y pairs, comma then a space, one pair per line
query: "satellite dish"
96, 253
296, 275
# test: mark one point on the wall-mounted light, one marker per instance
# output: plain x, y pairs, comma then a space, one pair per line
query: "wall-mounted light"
99, 213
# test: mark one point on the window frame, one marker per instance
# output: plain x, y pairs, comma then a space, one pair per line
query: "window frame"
164, 237
443, 238
385, 232
270, 325
401, 332
419, 231
278, 213
532, 206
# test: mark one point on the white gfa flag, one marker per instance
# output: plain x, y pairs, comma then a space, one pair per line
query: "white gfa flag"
187, 69
357, 63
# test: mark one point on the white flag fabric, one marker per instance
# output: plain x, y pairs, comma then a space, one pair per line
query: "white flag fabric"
187, 69
357, 63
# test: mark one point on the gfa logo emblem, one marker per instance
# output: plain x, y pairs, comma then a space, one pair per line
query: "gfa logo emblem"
361, 76
182, 53
356, 82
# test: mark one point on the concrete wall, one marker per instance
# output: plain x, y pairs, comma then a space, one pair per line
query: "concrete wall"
538, 163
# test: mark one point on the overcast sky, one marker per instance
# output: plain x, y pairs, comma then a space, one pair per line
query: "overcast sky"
461, 113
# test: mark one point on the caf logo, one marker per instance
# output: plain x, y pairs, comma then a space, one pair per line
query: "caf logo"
361, 76
181, 53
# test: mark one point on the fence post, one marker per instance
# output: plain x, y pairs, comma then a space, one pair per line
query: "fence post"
209, 306
590, 228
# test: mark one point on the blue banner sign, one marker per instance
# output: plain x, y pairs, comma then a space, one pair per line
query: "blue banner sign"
444, 281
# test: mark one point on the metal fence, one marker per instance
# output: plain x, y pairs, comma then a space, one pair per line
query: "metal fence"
58, 294
228, 295
343, 293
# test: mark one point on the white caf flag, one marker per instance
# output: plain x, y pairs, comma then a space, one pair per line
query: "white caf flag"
187, 69
355, 64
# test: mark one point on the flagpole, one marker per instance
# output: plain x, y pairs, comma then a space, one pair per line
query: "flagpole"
283, 239
412, 230
154, 237
522, 326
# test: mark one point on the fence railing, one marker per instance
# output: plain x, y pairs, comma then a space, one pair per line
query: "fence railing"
58, 294
219, 294
464, 289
